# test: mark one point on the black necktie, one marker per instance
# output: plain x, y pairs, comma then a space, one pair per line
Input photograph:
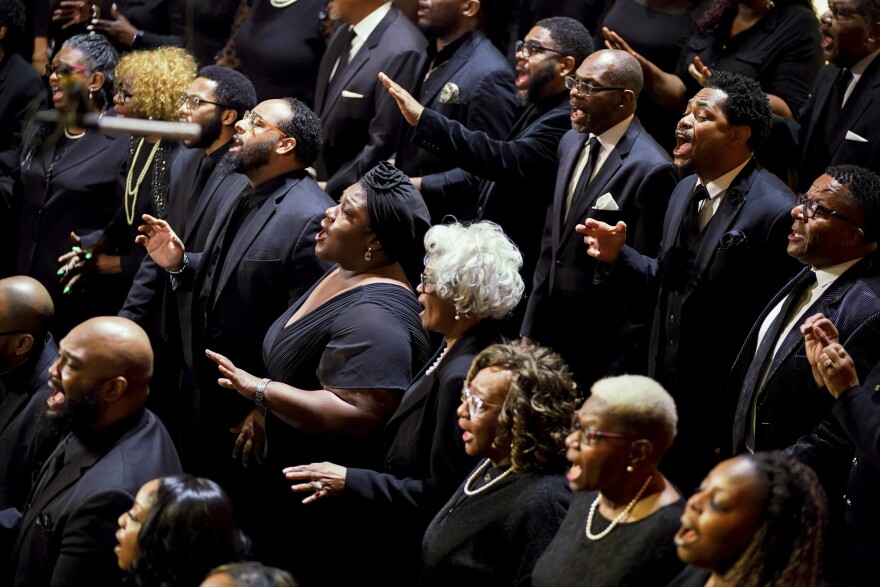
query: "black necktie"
690, 224
348, 36
593, 145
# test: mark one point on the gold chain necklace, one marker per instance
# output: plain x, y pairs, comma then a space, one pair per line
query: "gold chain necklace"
130, 209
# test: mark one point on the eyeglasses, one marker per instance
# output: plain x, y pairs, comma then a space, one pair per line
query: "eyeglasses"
126, 96
256, 121
193, 102
427, 280
8, 332
528, 48
586, 89
812, 206
64, 69
589, 436
476, 405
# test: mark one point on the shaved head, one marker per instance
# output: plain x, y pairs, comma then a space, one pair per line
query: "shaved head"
25, 305
118, 345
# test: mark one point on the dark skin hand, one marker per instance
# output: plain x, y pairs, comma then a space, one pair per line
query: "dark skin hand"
117, 28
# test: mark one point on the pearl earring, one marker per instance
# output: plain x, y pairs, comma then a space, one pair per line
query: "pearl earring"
629, 469
368, 256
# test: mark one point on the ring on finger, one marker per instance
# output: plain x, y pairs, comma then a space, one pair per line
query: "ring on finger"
841, 353
827, 363
317, 485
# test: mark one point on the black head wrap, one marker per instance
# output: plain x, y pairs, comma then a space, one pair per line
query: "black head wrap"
398, 215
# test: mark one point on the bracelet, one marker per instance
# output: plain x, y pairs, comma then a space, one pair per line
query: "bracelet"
182, 267
261, 390
138, 36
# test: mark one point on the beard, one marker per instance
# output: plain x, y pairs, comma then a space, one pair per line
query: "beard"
210, 133
248, 158
540, 79
75, 415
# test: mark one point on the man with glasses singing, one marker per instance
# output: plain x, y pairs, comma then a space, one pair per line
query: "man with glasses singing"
609, 169
839, 123
215, 101
835, 230
259, 257
722, 258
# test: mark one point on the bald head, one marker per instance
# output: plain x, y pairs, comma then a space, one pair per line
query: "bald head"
120, 345
25, 305
623, 70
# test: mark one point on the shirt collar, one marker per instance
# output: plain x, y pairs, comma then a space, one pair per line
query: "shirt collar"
719, 185
449, 49
612, 136
368, 24
859, 68
827, 275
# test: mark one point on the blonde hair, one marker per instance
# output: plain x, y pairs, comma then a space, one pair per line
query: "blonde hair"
159, 78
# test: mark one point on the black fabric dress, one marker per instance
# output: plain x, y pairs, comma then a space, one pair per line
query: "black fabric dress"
640, 553
494, 538
367, 337
281, 48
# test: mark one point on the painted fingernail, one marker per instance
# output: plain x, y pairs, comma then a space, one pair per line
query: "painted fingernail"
66, 290
76, 249
59, 272
88, 256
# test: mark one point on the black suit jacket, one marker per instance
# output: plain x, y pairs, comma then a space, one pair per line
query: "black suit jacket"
639, 176
21, 95
790, 404
22, 443
270, 266
475, 88
517, 173
859, 119
743, 249
359, 132
66, 535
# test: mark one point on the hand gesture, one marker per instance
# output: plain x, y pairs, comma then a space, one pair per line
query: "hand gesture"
828, 359
72, 12
251, 439
323, 479
163, 245
233, 377
699, 72
74, 264
409, 106
604, 242
117, 28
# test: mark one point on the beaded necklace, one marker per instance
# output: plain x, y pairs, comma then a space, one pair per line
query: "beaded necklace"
479, 471
621, 517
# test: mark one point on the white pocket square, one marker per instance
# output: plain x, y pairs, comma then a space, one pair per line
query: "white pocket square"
606, 202
851, 136
347, 94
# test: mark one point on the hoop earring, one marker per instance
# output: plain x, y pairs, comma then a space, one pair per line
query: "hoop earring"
368, 256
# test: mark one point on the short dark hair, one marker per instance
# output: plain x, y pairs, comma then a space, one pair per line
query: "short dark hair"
12, 16
304, 126
870, 8
188, 530
746, 104
570, 36
254, 574
864, 193
234, 90
100, 56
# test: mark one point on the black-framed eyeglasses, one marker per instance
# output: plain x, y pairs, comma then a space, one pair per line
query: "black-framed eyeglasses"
8, 332
476, 405
126, 96
586, 89
193, 102
810, 208
590, 436
63, 69
528, 48
427, 280
256, 121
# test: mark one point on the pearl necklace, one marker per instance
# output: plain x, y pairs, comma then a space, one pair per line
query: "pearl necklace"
72, 136
433, 366
479, 471
130, 209
621, 517
281, 3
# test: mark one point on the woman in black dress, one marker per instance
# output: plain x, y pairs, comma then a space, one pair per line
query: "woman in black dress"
619, 527
470, 281
341, 357
515, 412
70, 174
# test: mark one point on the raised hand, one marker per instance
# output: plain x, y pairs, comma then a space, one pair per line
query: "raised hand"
604, 242
409, 106
699, 72
163, 245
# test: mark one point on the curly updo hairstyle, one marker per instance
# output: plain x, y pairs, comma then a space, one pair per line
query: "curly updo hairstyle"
159, 78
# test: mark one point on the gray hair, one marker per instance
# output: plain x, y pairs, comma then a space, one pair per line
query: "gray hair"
476, 267
642, 406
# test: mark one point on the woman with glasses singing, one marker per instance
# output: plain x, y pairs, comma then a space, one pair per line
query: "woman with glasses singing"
149, 86
470, 282
69, 174
515, 412
624, 513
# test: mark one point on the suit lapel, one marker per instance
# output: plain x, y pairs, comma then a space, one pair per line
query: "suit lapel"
69, 474
568, 161
334, 50
12, 406
820, 101
858, 102
85, 148
440, 77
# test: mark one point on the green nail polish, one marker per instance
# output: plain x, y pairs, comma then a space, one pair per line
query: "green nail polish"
59, 272
66, 290
88, 256
76, 249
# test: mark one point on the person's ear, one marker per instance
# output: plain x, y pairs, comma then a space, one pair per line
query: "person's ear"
471, 8
740, 135
23, 344
566, 66
374, 243
3, 31
640, 450
286, 146
228, 117
96, 81
113, 389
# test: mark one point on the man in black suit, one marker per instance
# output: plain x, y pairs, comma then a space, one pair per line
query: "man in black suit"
724, 233
215, 101
98, 385
258, 259
26, 351
361, 127
839, 122
465, 79
835, 232
516, 175
610, 169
